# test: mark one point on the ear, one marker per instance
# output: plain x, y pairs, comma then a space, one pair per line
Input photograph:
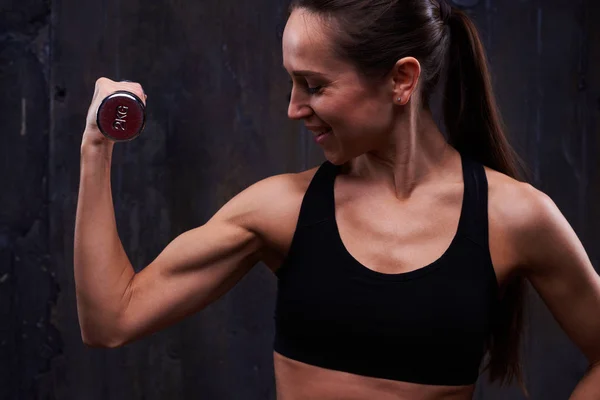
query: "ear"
405, 77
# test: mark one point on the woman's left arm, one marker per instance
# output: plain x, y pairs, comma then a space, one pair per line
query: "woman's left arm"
556, 264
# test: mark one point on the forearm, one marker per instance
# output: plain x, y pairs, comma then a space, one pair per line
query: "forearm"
589, 387
102, 269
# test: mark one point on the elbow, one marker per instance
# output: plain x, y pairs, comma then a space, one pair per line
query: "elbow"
101, 329
98, 343
95, 338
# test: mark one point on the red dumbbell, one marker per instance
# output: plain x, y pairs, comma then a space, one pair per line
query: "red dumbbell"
121, 116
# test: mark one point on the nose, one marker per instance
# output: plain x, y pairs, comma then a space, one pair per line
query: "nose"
298, 109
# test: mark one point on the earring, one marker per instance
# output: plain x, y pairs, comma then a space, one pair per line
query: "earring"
400, 99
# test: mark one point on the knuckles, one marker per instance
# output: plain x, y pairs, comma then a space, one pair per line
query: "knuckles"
105, 86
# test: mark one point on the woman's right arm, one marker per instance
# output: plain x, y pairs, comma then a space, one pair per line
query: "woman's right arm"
115, 305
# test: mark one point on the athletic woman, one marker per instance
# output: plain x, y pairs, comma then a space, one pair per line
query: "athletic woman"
400, 259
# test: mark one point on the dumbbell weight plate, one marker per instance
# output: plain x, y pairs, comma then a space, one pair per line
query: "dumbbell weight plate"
121, 116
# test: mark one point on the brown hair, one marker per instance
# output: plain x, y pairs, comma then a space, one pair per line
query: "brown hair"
373, 35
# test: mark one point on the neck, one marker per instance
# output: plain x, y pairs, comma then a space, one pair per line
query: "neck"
414, 153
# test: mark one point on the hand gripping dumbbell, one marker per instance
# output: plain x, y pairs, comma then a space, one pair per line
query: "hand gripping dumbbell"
121, 116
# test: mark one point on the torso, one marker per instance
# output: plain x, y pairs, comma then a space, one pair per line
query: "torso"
423, 238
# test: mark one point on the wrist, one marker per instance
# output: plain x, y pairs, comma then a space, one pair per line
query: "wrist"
95, 142
96, 148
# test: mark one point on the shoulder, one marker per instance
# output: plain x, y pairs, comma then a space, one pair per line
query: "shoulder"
276, 197
267, 198
518, 201
270, 208
524, 213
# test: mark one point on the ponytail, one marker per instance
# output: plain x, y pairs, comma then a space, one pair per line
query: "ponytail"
475, 128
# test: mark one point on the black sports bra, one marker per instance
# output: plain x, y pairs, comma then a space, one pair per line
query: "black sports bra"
426, 326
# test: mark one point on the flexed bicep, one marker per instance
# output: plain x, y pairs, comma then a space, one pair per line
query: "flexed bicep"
195, 269
202, 264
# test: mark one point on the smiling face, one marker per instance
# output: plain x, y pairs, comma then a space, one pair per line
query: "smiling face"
331, 93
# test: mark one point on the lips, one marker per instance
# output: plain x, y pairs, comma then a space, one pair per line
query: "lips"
319, 130
323, 133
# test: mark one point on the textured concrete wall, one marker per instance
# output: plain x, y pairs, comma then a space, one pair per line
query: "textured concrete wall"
217, 123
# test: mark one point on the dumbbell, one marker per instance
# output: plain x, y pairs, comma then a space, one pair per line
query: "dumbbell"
121, 116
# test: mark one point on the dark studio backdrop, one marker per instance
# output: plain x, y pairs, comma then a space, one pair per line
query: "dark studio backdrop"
217, 123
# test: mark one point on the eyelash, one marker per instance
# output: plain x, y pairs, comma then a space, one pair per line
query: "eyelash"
314, 90
309, 90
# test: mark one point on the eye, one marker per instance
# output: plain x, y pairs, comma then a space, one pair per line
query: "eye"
307, 89
314, 90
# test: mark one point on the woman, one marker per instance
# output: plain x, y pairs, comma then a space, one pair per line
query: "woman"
400, 259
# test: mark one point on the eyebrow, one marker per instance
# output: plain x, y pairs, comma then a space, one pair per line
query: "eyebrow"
307, 73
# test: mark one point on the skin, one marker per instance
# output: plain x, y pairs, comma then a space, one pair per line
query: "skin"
407, 168
401, 168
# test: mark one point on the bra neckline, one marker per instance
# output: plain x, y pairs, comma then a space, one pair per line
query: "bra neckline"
360, 268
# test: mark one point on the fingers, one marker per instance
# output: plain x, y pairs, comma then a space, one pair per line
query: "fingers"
105, 87
114, 114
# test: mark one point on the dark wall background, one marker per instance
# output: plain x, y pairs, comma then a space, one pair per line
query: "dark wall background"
217, 123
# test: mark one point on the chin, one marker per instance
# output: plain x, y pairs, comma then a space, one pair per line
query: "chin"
336, 158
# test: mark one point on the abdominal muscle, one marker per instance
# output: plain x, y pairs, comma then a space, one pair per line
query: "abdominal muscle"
299, 381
